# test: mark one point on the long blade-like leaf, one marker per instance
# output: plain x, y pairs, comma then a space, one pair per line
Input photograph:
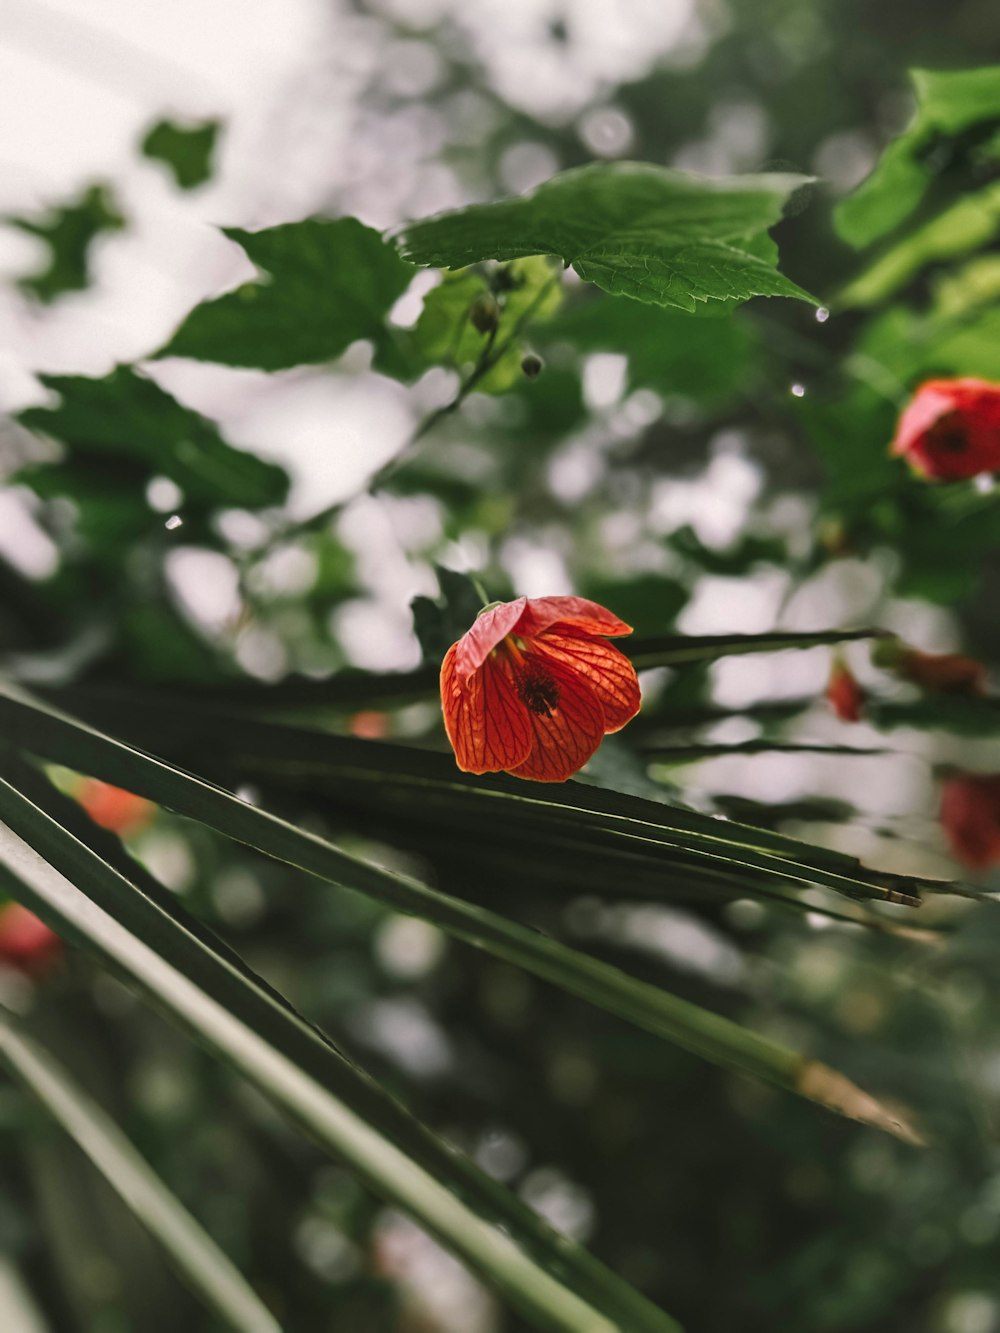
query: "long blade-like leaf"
42, 730
195, 1254
562, 1289
393, 778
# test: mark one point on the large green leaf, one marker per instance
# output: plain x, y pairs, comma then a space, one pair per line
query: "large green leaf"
638, 230
948, 102
128, 426
328, 284
199, 1259
41, 730
551, 1280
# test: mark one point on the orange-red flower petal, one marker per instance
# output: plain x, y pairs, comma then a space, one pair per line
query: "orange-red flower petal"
569, 613
565, 737
607, 671
489, 629
486, 721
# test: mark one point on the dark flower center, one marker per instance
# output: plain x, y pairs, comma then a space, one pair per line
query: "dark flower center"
948, 434
538, 690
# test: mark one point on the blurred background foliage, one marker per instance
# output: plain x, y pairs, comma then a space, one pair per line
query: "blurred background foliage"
182, 541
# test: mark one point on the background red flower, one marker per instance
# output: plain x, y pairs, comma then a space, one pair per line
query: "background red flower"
950, 429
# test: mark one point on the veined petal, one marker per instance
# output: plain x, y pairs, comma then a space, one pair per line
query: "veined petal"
577, 613
607, 671
568, 733
486, 721
476, 644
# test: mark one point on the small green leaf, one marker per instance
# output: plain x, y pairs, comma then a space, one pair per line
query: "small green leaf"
327, 285
126, 421
948, 103
438, 624
69, 232
643, 231
188, 150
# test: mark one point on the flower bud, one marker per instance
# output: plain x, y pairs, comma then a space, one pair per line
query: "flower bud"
532, 365
484, 313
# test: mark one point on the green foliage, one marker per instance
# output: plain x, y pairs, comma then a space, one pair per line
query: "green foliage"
187, 150
948, 103
705, 359
327, 285
439, 624
446, 335
69, 233
126, 420
656, 235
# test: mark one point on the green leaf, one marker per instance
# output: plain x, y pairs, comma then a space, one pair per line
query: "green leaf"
968, 224
69, 233
948, 102
170, 958
188, 150
438, 624
648, 232
200, 1261
327, 285
39, 729
707, 360
125, 420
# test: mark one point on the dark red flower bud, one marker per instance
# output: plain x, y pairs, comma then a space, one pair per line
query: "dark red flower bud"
950, 429
970, 817
843, 692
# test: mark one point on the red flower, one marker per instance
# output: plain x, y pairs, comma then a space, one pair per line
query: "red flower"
533, 687
950, 429
970, 817
112, 808
25, 941
844, 693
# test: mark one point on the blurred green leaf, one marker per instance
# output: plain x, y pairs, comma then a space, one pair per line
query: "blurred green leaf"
707, 360
948, 102
971, 222
39, 730
204, 1266
327, 285
127, 421
642, 231
188, 150
69, 233
327, 1095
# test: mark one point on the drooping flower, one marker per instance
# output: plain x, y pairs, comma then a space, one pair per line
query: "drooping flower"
533, 687
843, 692
938, 673
114, 808
26, 942
970, 817
950, 429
